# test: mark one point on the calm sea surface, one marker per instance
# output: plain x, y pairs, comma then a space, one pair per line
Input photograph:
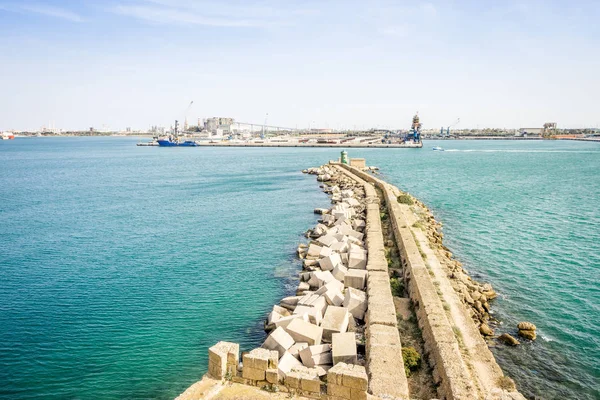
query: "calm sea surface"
120, 265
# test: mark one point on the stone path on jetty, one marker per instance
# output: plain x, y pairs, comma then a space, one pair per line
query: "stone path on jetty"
340, 338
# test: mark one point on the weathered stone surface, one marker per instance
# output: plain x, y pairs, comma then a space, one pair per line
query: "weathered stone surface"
223, 358
356, 278
335, 320
272, 376
387, 378
343, 348
356, 302
346, 381
527, 334
303, 331
279, 340
508, 339
485, 330
526, 326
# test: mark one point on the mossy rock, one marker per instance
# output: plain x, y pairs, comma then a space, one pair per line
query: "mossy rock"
406, 199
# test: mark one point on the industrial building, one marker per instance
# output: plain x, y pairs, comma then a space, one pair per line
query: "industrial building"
218, 126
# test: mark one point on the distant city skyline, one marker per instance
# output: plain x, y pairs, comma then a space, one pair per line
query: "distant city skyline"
335, 64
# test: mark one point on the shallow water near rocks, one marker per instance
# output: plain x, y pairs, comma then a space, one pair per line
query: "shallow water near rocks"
120, 265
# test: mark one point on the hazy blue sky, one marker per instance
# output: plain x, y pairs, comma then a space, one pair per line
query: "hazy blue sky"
324, 63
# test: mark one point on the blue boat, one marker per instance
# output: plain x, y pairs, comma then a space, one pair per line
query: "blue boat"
438, 148
175, 142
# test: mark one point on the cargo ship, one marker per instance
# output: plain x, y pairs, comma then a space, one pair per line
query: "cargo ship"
174, 140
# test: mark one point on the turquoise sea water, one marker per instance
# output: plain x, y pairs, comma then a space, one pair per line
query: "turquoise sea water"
120, 265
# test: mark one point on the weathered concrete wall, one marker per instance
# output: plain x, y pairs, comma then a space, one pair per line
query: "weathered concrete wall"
440, 342
385, 366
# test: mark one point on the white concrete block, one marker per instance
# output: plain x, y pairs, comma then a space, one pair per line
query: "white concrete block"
356, 302
325, 252
336, 320
319, 278
278, 340
286, 363
334, 297
356, 278
303, 331
343, 348
296, 347
285, 321
339, 272
327, 240
314, 250
357, 260
316, 355
330, 262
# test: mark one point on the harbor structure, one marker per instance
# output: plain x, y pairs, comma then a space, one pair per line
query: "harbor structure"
339, 337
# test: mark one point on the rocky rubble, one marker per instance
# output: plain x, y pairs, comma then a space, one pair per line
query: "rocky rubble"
323, 324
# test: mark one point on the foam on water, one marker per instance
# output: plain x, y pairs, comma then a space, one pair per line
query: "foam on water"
121, 265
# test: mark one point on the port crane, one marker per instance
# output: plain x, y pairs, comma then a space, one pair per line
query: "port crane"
447, 135
185, 114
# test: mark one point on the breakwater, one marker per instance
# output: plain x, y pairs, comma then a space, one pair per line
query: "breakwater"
324, 145
338, 337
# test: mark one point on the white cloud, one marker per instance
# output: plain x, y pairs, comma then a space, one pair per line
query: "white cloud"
43, 10
210, 13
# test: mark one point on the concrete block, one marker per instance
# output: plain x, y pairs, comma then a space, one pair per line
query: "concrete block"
310, 384
339, 272
314, 250
356, 278
357, 260
356, 302
352, 202
343, 348
296, 348
279, 340
281, 310
302, 288
319, 278
316, 355
285, 321
355, 377
328, 263
254, 374
223, 357
333, 284
286, 363
327, 240
325, 252
336, 320
302, 331
337, 391
261, 359
334, 297
315, 316
273, 316
272, 376
358, 225
292, 379
340, 247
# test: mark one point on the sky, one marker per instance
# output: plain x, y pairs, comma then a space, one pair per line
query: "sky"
315, 63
